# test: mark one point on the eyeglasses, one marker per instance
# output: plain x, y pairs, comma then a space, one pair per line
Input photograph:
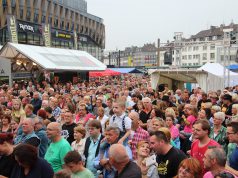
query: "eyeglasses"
230, 133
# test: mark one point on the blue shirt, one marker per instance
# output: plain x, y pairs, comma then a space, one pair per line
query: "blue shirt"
91, 155
234, 159
106, 173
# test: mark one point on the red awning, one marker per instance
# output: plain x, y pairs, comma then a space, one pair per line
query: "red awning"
107, 72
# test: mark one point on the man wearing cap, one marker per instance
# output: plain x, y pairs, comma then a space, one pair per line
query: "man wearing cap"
167, 101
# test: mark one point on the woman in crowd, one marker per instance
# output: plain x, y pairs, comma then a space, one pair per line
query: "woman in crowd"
143, 154
187, 131
7, 161
102, 117
6, 123
83, 115
234, 112
189, 168
218, 131
79, 136
18, 113
214, 109
29, 164
173, 130
204, 113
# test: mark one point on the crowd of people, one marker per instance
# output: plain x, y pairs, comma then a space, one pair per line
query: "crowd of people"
117, 128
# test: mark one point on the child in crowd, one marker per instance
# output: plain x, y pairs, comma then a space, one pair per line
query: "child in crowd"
121, 120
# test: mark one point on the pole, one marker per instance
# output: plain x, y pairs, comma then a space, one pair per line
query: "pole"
229, 63
224, 65
158, 53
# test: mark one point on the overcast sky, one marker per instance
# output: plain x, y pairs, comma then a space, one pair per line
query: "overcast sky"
136, 22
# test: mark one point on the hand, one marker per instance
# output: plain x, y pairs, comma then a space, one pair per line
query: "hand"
108, 167
120, 142
103, 162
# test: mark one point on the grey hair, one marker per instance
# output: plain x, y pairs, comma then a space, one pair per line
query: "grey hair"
118, 153
114, 129
220, 115
216, 108
219, 154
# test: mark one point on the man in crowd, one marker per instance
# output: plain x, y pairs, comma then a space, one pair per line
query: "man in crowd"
214, 161
138, 134
232, 134
168, 157
28, 135
201, 131
119, 159
145, 113
92, 144
74, 162
58, 148
36, 102
68, 127
55, 108
112, 136
40, 131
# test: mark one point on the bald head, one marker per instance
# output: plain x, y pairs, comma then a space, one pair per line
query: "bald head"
133, 115
55, 126
118, 153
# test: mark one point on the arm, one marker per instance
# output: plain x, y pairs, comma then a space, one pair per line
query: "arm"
230, 169
127, 134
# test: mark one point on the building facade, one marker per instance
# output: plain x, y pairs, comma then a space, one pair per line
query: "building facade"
145, 56
69, 24
207, 46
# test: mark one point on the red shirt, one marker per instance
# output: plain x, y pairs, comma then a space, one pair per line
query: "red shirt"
198, 152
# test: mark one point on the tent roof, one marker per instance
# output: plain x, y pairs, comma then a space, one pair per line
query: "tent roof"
107, 72
126, 70
215, 69
55, 59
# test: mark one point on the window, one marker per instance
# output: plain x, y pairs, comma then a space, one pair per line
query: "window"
190, 57
204, 48
212, 47
212, 56
204, 56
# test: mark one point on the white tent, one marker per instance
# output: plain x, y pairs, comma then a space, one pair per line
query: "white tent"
216, 69
52, 59
208, 77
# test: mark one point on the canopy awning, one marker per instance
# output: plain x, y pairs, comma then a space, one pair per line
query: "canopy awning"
233, 67
52, 59
107, 72
126, 70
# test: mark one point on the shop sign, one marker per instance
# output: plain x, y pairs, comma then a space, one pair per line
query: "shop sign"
62, 35
26, 27
12, 28
82, 38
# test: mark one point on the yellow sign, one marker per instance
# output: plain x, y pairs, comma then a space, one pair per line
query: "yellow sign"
12, 28
130, 61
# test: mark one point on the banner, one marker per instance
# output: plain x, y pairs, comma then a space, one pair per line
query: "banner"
12, 28
75, 40
46, 34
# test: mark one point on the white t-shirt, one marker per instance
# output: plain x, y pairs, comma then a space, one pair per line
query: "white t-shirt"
118, 122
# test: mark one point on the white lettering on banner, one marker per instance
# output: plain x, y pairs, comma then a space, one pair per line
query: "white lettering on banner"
26, 27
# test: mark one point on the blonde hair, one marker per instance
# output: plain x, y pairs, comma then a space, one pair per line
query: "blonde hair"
166, 132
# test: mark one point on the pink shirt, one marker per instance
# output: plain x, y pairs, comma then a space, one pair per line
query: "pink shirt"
209, 174
188, 128
174, 132
86, 118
